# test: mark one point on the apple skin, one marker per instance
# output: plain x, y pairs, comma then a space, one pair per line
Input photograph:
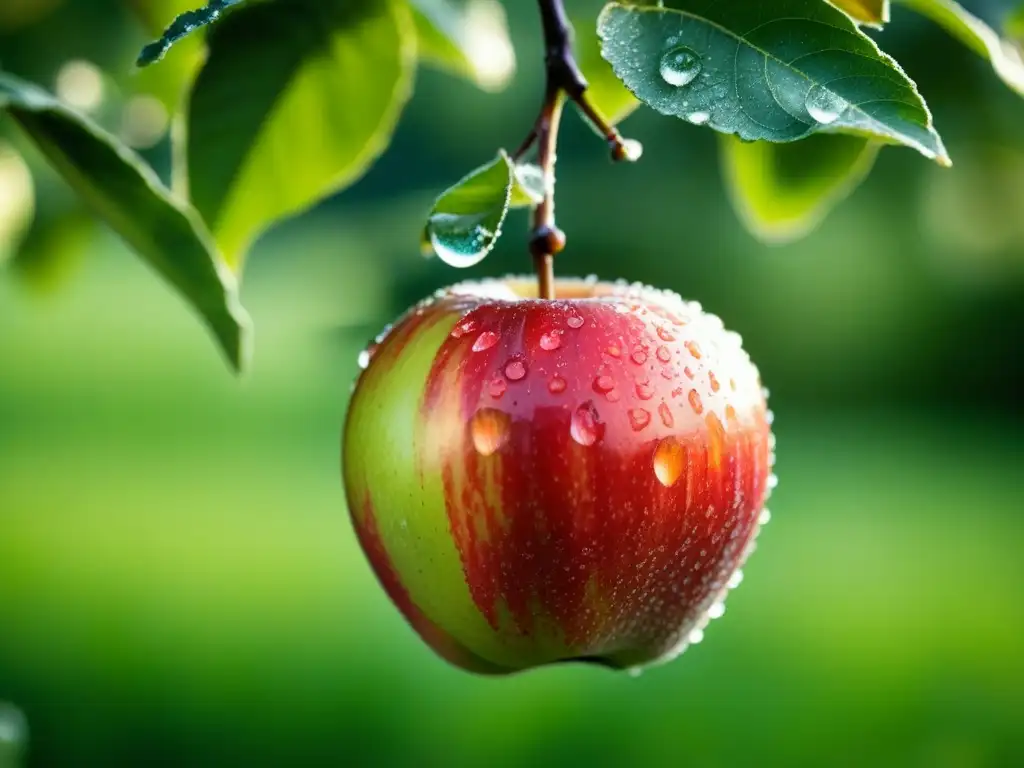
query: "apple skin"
539, 481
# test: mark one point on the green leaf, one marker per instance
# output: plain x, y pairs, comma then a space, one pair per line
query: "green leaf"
1014, 25
604, 90
778, 71
122, 190
273, 134
1005, 58
783, 191
870, 13
182, 26
469, 39
466, 220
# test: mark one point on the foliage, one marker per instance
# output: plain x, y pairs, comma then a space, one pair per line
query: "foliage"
260, 138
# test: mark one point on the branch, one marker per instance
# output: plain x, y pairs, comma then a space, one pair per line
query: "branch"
563, 80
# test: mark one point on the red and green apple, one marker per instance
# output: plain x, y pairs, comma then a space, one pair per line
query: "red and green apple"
536, 481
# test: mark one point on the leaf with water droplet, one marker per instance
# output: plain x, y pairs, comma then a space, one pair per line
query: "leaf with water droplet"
182, 26
783, 191
778, 71
119, 188
466, 220
1006, 58
468, 39
870, 13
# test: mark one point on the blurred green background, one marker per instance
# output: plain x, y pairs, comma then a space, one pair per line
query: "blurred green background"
179, 583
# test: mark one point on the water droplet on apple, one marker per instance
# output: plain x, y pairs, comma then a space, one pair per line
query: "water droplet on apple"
663, 354
713, 380
765, 517
664, 334
639, 418
736, 579
824, 106
551, 341
666, 415
604, 384
679, 66
639, 357
696, 636
574, 321
485, 340
515, 370
364, 359
773, 482
669, 458
556, 385
585, 426
489, 429
644, 391
717, 610
614, 351
694, 349
497, 388
695, 402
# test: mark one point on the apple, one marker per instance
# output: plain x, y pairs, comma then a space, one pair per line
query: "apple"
536, 481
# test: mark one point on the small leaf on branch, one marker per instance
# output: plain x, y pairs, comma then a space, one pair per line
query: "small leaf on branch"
870, 13
777, 71
466, 220
783, 191
469, 39
270, 135
125, 193
182, 26
1005, 57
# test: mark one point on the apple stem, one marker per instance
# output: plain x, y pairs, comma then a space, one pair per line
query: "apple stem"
563, 80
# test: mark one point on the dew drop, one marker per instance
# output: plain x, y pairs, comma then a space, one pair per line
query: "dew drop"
644, 391
663, 354
688, 371
695, 402
713, 380
773, 482
632, 150
485, 340
458, 240
664, 334
489, 429
698, 118
497, 388
694, 349
613, 396
824, 106
668, 461
614, 351
639, 418
604, 384
556, 385
462, 329
639, 357
680, 66
696, 636
717, 610
585, 426
666, 415
736, 579
574, 321
515, 370
364, 359
765, 517
551, 341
